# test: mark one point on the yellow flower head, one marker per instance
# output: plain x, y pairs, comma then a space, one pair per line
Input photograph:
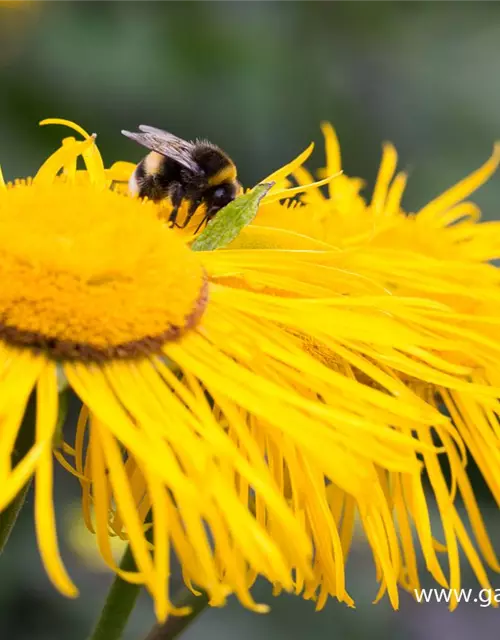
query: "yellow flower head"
87, 290
246, 406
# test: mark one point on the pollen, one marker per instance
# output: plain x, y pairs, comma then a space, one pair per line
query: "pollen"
89, 274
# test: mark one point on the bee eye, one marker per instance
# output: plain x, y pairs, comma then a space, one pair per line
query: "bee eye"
219, 197
220, 194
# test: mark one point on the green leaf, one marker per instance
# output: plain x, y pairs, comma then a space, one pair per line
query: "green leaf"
230, 220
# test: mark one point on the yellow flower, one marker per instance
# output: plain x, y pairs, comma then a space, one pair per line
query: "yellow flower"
245, 406
439, 254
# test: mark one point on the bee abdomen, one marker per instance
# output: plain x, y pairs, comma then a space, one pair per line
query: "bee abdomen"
137, 179
152, 178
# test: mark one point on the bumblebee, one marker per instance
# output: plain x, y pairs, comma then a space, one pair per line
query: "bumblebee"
177, 170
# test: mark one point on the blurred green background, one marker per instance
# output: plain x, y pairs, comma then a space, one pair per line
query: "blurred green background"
256, 78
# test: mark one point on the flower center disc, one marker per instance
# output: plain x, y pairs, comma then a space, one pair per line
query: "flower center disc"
91, 274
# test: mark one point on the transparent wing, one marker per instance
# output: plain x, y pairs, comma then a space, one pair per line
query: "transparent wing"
165, 143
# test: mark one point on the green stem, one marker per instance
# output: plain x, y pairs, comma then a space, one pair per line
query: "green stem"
24, 442
175, 625
8, 517
119, 604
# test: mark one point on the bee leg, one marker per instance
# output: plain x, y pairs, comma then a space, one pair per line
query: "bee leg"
191, 211
211, 213
176, 194
204, 221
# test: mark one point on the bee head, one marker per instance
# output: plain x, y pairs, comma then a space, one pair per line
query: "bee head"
220, 195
